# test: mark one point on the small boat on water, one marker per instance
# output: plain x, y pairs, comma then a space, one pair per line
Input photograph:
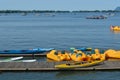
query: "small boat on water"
29, 51
115, 28
97, 17
78, 64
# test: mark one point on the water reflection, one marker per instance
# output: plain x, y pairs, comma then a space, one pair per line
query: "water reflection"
72, 73
80, 75
115, 32
86, 75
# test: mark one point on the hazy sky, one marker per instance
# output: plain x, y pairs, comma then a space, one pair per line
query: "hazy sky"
59, 4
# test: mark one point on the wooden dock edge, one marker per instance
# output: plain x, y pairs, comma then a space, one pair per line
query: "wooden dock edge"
49, 66
55, 69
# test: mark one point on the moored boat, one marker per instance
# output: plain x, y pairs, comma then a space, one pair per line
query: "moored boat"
58, 55
76, 55
11, 59
30, 60
78, 64
29, 51
110, 53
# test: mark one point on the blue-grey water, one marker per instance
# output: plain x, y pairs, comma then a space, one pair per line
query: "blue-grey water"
59, 31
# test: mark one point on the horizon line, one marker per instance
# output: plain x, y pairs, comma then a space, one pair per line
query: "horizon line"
55, 10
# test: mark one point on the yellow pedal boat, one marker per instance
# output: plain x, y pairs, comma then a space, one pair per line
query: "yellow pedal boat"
78, 64
115, 28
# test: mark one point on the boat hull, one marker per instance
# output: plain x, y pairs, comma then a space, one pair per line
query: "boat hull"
78, 64
11, 59
31, 60
29, 51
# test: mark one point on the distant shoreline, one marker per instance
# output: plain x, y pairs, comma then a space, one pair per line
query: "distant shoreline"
53, 11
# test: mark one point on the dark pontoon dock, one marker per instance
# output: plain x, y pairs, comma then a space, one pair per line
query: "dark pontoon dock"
49, 66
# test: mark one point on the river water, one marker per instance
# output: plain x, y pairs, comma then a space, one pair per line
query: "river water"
60, 31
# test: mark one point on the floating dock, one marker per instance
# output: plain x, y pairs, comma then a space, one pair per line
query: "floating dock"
49, 66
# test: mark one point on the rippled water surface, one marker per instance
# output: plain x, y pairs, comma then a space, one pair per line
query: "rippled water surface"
65, 75
59, 31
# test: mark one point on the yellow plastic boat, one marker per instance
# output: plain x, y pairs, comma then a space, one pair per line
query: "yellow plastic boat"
110, 53
58, 55
78, 64
115, 28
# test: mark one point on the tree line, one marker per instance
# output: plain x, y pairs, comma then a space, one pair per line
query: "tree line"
53, 11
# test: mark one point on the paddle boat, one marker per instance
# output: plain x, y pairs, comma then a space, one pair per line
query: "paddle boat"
111, 53
97, 55
58, 55
76, 55
29, 51
115, 28
79, 55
